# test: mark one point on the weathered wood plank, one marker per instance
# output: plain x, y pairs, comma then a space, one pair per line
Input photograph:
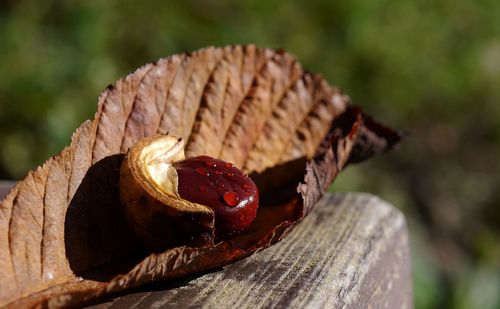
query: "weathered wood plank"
350, 252
5, 187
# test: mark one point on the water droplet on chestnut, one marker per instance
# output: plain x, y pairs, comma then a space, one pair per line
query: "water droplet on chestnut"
234, 200
201, 171
231, 198
210, 163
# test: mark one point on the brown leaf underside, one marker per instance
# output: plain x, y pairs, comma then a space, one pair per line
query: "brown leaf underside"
254, 107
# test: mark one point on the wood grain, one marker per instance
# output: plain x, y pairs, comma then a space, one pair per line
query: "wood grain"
350, 252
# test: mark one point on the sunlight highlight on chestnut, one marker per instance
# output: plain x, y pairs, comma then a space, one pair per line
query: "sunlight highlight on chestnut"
229, 192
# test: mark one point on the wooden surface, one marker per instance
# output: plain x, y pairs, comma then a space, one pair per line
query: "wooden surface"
4, 188
350, 252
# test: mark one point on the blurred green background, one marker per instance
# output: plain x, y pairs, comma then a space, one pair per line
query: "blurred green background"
429, 67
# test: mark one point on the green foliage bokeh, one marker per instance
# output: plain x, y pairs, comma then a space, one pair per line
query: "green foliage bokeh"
431, 68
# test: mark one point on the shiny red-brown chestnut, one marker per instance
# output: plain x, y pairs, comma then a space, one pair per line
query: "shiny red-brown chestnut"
229, 192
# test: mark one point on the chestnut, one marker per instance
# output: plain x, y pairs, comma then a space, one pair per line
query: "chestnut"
171, 201
229, 192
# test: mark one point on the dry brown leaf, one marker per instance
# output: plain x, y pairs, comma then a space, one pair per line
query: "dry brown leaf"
63, 239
